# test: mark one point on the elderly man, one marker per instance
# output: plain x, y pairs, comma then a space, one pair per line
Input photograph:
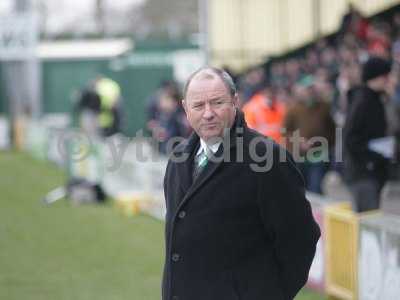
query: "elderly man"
238, 225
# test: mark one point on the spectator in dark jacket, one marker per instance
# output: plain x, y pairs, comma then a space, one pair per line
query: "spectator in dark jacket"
366, 170
170, 123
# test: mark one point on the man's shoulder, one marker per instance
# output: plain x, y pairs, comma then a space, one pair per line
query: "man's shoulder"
258, 145
268, 158
261, 142
180, 148
182, 151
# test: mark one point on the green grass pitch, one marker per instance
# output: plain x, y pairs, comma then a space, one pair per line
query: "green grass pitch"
62, 252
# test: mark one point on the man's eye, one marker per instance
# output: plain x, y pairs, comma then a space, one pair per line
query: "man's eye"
197, 106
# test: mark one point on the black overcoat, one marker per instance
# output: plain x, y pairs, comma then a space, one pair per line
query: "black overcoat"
238, 231
365, 121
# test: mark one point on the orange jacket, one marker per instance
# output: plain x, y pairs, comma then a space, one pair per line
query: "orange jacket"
264, 118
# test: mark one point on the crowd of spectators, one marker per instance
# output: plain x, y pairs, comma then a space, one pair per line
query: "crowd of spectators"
308, 95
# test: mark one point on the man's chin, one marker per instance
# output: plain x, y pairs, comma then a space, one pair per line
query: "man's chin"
211, 136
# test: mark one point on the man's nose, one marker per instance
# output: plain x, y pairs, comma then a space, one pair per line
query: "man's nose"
208, 112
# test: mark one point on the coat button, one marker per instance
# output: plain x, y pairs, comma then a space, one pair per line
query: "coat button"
175, 257
182, 214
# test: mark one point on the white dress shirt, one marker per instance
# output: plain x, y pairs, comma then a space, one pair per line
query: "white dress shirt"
206, 148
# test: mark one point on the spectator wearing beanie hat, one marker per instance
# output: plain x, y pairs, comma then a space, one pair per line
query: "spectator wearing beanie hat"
375, 67
366, 171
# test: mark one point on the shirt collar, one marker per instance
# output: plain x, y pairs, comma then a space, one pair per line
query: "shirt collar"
203, 147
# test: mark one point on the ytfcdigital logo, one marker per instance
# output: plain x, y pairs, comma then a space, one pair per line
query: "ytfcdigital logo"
76, 145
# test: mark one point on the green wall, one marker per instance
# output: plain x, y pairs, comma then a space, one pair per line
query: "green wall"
61, 79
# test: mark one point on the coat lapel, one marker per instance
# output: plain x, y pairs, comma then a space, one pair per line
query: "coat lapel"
185, 168
207, 173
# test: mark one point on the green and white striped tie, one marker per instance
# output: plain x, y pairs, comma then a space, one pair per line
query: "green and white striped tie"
201, 161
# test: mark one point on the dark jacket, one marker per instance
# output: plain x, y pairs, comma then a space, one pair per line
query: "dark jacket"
365, 121
235, 233
173, 126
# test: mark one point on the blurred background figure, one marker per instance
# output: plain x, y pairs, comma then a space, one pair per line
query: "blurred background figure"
165, 116
309, 124
264, 112
250, 83
366, 170
169, 87
87, 109
347, 83
99, 107
355, 23
109, 93
169, 123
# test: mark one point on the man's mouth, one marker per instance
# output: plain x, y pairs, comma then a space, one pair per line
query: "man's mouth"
211, 125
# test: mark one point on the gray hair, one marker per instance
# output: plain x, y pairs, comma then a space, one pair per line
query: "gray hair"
222, 74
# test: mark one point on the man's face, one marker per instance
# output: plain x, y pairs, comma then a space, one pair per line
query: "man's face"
209, 107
